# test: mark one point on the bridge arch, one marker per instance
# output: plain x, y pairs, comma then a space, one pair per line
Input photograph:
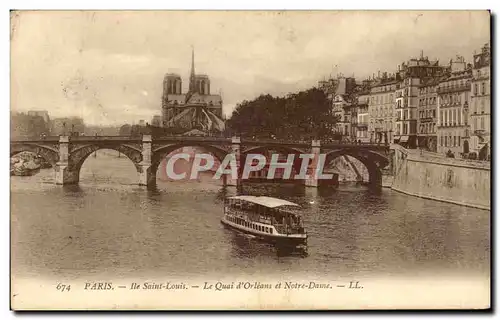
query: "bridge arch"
78, 156
51, 155
373, 161
158, 154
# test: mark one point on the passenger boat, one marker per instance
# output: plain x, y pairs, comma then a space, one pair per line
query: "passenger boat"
270, 219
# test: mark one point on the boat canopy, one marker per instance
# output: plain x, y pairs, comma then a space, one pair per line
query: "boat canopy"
268, 202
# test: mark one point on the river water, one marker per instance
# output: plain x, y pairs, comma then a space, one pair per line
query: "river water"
107, 227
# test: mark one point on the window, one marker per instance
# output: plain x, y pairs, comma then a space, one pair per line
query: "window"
482, 123
459, 141
475, 89
442, 141
454, 141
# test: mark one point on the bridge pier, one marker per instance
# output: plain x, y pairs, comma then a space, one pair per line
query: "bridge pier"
229, 180
312, 174
63, 174
146, 175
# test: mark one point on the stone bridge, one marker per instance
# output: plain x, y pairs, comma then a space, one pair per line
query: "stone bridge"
68, 153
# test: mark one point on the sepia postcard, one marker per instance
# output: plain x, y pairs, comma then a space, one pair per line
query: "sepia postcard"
250, 160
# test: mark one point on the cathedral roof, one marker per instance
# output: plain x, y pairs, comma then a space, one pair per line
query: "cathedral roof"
196, 99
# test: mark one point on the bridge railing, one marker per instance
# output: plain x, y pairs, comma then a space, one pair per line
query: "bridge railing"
110, 138
180, 138
191, 138
28, 139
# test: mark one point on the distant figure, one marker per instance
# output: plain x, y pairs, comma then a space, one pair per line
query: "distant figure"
359, 141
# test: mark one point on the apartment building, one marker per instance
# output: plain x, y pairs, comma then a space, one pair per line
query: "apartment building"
454, 93
480, 104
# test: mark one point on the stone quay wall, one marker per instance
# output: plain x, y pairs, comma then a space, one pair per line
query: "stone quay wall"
423, 174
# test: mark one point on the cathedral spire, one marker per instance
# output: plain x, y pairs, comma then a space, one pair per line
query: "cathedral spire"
192, 84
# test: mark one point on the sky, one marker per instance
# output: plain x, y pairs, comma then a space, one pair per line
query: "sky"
108, 66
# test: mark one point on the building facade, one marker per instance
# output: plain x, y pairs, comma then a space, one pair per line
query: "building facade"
341, 93
413, 73
427, 115
381, 108
480, 106
40, 113
67, 126
454, 92
196, 109
156, 121
28, 125
341, 108
362, 116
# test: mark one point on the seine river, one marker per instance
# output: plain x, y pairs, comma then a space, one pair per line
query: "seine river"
108, 228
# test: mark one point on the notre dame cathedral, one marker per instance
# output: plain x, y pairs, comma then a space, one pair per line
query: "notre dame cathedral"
197, 110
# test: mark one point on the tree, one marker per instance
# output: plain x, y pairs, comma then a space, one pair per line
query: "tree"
303, 115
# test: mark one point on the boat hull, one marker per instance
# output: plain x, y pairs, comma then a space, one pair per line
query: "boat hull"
276, 239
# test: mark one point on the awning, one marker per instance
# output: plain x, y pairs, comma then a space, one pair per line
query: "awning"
269, 202
404, 139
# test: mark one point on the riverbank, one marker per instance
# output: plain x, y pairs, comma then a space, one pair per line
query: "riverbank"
26, 164
457, 181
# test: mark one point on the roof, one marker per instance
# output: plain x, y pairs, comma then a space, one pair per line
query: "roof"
196, 98
265, 201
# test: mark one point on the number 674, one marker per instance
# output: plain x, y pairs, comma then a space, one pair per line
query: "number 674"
63, 287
